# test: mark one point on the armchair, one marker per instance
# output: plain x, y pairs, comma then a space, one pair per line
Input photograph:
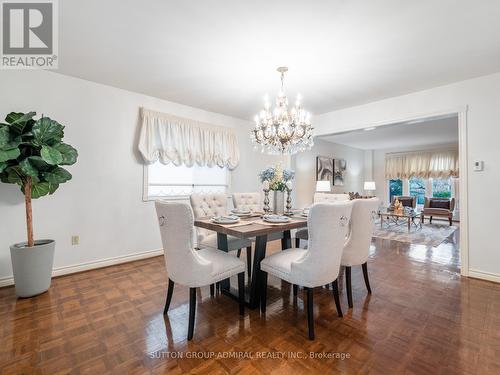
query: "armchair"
438, 207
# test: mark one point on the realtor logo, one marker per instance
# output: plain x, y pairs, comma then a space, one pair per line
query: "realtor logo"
29, 34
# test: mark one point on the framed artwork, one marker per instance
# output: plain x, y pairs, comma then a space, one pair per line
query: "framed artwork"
324, 168
339, 168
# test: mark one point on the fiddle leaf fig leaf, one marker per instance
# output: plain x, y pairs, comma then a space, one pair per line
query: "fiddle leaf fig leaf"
28, 169
18, 121
47, 132
53, 188
4, 136
14, 175
57, 175
40, 189
9, 154
3, 165
39, 163
68, 153
50, 155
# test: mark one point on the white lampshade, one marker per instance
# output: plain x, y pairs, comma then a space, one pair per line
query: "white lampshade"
370, 185
323, 186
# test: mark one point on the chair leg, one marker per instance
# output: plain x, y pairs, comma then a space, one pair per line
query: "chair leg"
348, 285
335, 291
430, 219
451, 221
297, 242
241, 292
169, 296
212, 290
310, 313
365, 275
238, 253
249, 263
263, 294
192, 311
295, 290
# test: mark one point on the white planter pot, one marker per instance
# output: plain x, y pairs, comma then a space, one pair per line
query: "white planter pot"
279, 202
32, 267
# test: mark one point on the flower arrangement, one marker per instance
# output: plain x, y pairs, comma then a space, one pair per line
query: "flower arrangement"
279, 179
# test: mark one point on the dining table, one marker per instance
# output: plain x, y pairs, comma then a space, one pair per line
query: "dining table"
254, 228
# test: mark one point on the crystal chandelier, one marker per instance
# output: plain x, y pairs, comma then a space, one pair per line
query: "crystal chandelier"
283, 131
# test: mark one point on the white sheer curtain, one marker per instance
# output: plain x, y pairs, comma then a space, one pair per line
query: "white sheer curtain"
428, 164
177, 140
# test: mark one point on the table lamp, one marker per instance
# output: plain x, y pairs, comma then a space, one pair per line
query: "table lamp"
370, 187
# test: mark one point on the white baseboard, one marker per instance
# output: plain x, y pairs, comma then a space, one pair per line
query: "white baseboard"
66, 270
489, 276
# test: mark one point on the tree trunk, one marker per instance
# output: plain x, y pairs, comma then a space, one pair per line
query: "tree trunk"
29, 213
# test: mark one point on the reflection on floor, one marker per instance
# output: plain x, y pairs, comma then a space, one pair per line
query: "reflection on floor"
422, 318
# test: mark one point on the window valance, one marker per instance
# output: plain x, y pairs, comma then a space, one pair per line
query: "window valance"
427, 164
177, 140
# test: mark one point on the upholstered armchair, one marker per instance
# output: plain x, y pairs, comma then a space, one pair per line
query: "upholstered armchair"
357, 246
443, 207
302, 234
248, 201
406, 201
192, 268
320, 263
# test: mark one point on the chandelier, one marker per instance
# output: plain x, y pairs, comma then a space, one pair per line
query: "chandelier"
283, 131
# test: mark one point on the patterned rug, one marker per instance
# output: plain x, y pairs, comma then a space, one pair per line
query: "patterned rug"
430, 234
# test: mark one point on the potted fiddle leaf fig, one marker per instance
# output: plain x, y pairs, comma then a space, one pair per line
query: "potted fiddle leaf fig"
31, 155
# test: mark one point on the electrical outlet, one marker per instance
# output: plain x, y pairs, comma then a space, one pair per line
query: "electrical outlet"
75, 240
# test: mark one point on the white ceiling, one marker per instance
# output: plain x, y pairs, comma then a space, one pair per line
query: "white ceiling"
221, 55
407, 135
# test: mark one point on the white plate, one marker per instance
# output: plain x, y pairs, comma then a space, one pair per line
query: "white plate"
241, 213
231, 219
276, 219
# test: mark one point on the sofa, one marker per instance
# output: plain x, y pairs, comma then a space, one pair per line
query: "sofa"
442, 207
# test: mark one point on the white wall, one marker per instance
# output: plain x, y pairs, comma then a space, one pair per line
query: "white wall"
304, 165
103, 203
382, 191
482, 96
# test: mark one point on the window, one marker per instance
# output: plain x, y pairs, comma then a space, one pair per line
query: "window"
417, 189
177, 182
395, 188
441, 187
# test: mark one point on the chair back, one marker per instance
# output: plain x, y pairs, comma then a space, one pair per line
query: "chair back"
357, 246
207, 205
176, 228
327, 225
406, 201
248, 201
329, 197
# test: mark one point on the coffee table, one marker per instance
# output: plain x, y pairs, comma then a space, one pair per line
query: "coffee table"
411, 217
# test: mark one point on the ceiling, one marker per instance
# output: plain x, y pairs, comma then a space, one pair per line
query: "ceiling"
430, 132
221, 55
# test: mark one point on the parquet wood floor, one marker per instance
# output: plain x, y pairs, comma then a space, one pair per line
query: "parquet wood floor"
422, 318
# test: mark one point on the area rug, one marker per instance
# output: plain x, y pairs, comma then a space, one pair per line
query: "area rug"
430, 234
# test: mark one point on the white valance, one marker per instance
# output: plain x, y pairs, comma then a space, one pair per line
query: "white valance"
177, 140
427, 164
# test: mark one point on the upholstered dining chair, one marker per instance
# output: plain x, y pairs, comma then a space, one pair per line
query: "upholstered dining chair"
357, 245
189, 267
207, 205
302, 234
320, 263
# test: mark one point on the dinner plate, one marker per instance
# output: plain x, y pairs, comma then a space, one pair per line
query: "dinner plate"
276, 218
229, 219
241, 213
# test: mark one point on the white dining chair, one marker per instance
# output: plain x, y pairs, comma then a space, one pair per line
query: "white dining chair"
319, 264
189, 267
357, 245
208, 205
302, 234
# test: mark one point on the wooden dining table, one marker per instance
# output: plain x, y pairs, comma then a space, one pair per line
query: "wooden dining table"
251, 227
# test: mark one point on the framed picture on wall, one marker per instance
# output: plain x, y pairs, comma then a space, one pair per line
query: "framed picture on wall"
339, 169
324, 168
